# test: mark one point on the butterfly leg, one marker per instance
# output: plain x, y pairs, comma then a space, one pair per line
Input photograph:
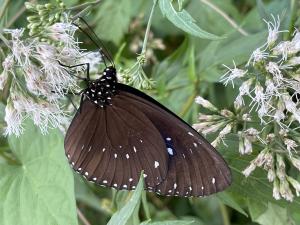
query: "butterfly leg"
82, 64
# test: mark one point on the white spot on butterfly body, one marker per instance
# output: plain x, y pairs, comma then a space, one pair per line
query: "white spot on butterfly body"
86, 173
115, 185
116, 155
134, 149
68, 156
95, 178
213, 180
120, 146
73, 163
170, 191
141, 140
127, 156
133, 187
156, 164
170, 151
103, 150
190, 133
175, 186
96, 101
130, 179
190, 188
202, 188
79, 169
195, 144
124, 186
104, 73
104, 181
168, 139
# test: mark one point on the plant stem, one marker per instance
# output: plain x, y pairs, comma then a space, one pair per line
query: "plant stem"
294, 7
188, 104
3, 8
82, 217
148, 28
4, 39
225, 16
224, 213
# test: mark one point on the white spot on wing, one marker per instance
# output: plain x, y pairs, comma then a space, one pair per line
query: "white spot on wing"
156, 164
115, 185
170, 151
116, 155
145, 175
90, 148
82, 147
95, 178
79, 169
124, 186
86, 173
175, 186
213, 180
104, 182
134, 149
103, 150
190, 133
195, 144
127, 156
130, 179
168, 139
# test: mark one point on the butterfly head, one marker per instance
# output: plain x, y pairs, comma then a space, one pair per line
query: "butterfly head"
110, 73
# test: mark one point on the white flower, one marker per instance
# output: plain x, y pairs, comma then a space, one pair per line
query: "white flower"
3, 79
293, 61
93, 58
13, 119
273, 28
284, 49
276, 193
295, 161
213, 128
271, 175
206, 104
257, 56
273, 68
290, 145
232, 74
285, 191
280, 167
63, 32
249, 170
295, 184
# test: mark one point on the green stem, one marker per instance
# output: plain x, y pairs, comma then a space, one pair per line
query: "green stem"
148, 28
224, 213
3, 8
294, 7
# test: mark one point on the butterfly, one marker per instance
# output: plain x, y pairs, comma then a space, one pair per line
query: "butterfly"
119, 131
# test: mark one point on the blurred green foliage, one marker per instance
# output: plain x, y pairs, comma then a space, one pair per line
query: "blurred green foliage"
36, 184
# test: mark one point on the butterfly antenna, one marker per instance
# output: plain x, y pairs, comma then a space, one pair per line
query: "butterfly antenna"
96, 40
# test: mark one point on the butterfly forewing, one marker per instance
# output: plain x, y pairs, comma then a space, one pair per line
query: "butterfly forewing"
195, 167
112, 146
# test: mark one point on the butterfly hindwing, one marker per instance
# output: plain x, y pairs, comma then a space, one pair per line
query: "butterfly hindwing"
195, 167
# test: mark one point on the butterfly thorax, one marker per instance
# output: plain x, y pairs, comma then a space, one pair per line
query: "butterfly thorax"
101, 91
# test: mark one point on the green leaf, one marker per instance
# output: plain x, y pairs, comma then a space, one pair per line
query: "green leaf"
170, 222
113, 19
124, 215
262, 10
229, 200
274, 215
184, 21
39, 190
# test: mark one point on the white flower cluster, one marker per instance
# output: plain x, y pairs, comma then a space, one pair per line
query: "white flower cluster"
266, 110
39, 81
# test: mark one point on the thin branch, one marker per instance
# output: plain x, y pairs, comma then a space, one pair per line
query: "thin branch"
225, 16
148, 28
82, 217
